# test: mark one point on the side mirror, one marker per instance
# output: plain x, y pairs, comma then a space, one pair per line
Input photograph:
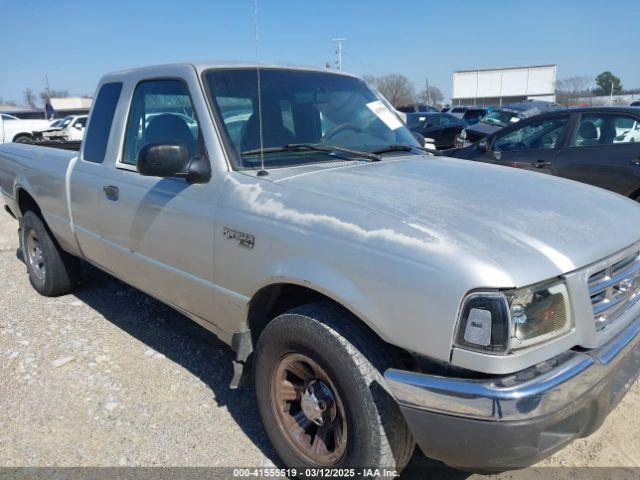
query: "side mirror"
78, 126
483, 145
419, 138
172, 160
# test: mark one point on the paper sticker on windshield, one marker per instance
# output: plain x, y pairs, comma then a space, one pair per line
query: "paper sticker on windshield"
384, 114
514, 119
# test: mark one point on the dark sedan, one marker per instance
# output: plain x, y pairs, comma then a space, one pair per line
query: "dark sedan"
598, 145
502, 117
441, 127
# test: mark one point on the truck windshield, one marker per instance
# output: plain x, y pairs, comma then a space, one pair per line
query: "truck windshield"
300, 107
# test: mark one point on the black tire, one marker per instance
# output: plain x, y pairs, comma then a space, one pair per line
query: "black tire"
23, 139
354, 359
51, 270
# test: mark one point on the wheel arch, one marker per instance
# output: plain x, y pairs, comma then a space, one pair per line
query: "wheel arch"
22, 134
285, 293
25, 200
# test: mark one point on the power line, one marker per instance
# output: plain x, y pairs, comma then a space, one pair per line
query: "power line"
357, 60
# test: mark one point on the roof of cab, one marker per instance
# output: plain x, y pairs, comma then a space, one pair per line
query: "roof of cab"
202, 66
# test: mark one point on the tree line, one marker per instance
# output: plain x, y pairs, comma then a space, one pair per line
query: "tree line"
399, 90
603, 84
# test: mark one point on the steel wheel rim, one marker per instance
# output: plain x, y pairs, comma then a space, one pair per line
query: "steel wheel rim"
35, 254
309, 410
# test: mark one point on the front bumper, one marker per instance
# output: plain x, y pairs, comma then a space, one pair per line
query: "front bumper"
513, 421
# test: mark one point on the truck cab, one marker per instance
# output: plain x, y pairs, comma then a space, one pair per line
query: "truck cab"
380, 295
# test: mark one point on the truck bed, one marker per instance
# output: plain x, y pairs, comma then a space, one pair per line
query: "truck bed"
42, 171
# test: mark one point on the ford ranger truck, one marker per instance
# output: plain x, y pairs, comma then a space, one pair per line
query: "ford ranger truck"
381, 296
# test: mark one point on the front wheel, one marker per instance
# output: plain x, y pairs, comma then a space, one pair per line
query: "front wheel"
23, 139
322, 395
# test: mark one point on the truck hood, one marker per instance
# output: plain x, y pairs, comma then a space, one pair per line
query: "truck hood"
528, 225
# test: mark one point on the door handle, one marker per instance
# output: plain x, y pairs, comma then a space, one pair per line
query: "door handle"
540, 164
111, 192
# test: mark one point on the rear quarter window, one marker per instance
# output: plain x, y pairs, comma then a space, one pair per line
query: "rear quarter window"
97, 137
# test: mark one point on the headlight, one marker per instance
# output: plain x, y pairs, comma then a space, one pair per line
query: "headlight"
501, 322
463, 134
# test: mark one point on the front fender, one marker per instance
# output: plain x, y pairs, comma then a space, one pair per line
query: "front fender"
324, 279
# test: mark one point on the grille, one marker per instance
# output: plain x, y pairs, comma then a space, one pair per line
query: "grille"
614, 289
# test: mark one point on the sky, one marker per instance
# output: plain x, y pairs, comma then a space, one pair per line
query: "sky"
75, 42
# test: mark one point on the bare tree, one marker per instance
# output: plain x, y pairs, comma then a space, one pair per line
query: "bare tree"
396, 88
29, 98
572, 87
433, 95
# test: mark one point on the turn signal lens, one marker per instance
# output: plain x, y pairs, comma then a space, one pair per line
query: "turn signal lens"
484, 323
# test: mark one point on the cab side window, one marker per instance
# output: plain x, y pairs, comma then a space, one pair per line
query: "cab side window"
95, 144
540, 135
161, 112
606, 129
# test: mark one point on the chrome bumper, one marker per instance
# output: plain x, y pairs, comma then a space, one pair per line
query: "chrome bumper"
534, 392
514, 421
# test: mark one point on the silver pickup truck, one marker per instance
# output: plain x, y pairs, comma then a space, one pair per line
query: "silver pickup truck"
380, 296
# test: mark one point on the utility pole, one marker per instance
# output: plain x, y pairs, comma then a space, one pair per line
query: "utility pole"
339, 51
611, 95
428, 93
48, 99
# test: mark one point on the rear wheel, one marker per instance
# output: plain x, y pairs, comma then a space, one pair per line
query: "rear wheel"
322, 394
52, 271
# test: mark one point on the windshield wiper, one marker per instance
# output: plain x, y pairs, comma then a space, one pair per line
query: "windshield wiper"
399, 148
294, 147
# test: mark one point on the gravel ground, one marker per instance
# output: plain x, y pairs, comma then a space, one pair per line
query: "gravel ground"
108, 376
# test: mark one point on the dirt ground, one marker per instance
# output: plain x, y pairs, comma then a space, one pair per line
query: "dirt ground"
108, 376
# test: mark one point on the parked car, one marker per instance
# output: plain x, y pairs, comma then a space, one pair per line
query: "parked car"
70, 129
441, 127
595, 145
471, 115
380, 293
13, 129
417, 108
55, 126
635, 104
499, 118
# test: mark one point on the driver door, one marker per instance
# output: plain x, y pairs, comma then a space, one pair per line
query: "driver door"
159, 236
532, 146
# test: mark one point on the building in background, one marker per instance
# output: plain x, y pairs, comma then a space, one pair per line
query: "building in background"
498, 86
61, 106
